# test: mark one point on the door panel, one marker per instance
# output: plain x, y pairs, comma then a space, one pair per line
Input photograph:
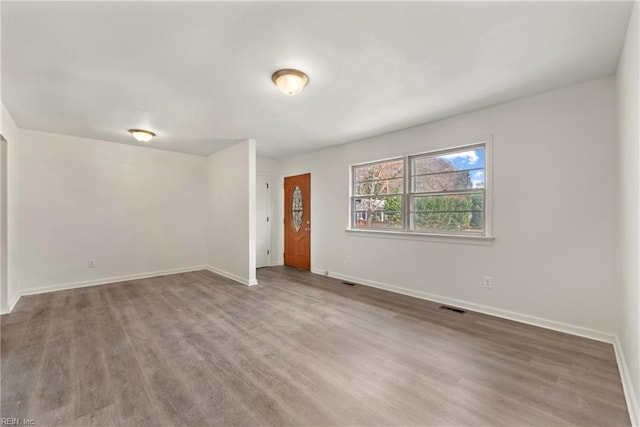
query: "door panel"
297, 221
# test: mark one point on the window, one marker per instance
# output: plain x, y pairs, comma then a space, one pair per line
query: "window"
378, 194
442, 192
448, 191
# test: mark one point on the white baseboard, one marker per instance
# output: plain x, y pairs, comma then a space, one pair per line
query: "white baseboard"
232, 276
627, 384
12, 303
95, 282
493, 311
116, 279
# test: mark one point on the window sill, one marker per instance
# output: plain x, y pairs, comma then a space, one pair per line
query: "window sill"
433, 237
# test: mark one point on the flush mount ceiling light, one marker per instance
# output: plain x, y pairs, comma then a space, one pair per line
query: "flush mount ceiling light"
142, 135
290, 81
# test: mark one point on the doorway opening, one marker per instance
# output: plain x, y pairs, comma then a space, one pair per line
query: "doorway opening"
263, 221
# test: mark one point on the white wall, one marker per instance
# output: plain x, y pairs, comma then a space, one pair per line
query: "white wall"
629, 303
553, 260
231, 241
8, 287
133, 210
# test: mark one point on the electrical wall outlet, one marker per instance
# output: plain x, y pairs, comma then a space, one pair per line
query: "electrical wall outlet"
488, 282
91, 263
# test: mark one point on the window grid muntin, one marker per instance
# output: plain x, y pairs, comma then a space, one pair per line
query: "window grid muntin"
356, 190
439, 173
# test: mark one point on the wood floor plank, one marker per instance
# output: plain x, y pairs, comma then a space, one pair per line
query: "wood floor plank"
298, 349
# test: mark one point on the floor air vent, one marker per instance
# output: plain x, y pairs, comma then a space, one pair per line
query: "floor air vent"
455, 310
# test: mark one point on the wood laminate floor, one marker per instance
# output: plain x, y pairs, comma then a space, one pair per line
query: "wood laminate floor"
298, 349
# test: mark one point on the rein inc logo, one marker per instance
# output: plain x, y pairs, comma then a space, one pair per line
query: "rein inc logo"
17, 422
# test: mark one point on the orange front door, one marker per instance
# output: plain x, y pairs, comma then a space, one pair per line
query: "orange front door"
297, 221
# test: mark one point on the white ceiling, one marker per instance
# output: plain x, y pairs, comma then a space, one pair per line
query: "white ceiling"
199, 74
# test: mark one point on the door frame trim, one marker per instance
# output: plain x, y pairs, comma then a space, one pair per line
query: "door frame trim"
281, 212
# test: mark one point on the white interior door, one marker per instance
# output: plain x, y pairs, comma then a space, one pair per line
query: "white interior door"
262, 220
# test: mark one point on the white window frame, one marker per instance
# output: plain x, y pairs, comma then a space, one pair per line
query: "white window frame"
405, 231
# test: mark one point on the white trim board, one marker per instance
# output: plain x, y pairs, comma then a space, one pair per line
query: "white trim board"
12, 303
627, 384
232, 276
492, 311
117, 279
103, 281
